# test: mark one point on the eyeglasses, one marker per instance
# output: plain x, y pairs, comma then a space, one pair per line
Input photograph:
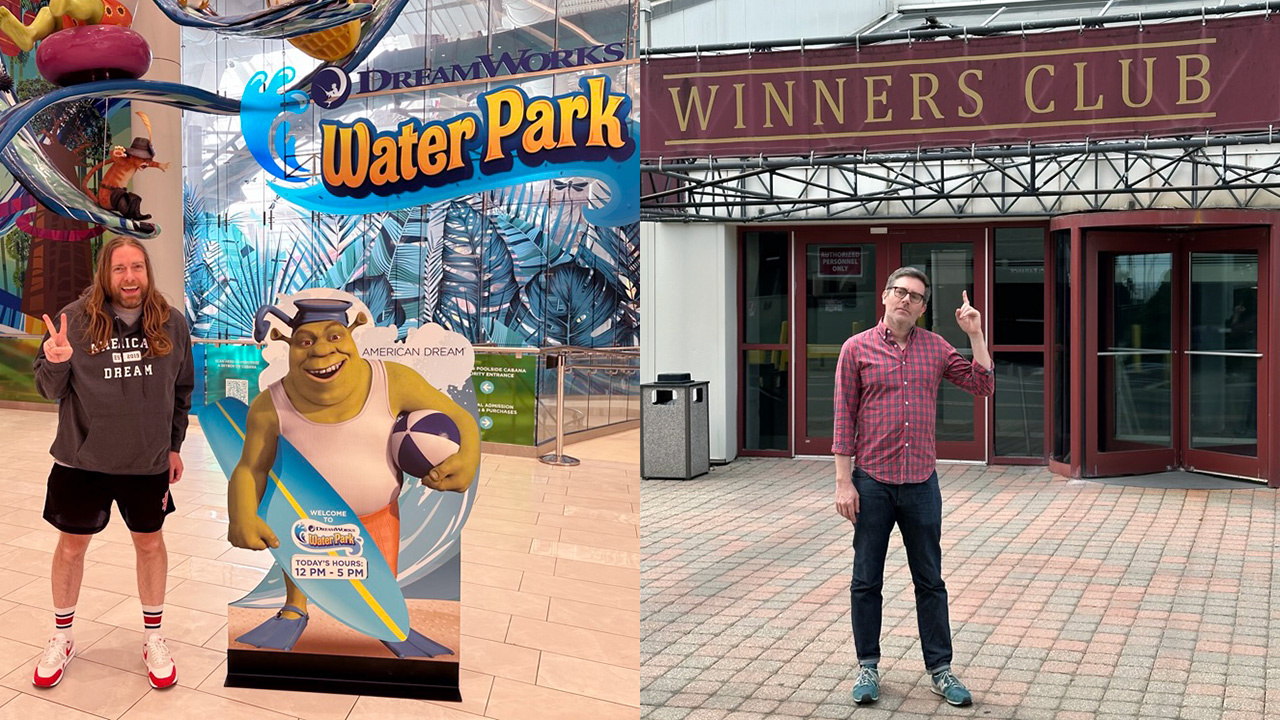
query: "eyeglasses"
901, 292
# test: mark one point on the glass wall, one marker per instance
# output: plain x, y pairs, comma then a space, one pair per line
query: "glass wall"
949, 267
1018, 341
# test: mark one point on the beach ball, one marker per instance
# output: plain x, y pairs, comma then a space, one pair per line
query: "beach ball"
422, 439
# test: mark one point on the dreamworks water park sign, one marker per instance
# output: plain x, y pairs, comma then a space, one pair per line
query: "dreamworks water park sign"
509, 138
489, 66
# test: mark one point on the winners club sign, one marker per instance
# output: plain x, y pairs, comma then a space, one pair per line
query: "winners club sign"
1161, 80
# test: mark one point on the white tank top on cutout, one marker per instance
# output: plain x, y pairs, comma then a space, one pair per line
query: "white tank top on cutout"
352, 455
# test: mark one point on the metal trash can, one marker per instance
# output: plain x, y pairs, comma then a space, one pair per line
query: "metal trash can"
675, 428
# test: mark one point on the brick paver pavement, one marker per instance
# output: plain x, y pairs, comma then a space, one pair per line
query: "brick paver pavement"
1069, 599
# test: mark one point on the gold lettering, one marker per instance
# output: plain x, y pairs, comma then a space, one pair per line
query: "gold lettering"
977, 99
431, 150
574, 106
695, 101
1031, 102
1197, 78
383, 171
1125, 82
460, 131
346, 154
541, 133
787, 110
509, 102
408, 138
873, 97
820, 88
604, 127
917, 98
1080, 106
737, 95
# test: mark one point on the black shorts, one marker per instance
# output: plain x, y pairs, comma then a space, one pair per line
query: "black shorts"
79, 501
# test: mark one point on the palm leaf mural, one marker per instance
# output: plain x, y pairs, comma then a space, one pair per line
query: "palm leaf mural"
345, 255
426, 227
516, 266
563, 229
614, 254
501, 289
195, 249
405, 283
609, 251
247, 272
460, 291
375, 293
580, 307
521, 236
389, 228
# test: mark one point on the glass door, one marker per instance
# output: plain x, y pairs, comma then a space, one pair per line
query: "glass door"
839, 296
765, 344
952, 271
1130, 365
1175, 352
1225, 358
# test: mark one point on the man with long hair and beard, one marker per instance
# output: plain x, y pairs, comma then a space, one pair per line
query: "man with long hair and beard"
119, 364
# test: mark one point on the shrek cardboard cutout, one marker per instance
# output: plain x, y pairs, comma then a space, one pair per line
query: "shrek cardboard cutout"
315, 484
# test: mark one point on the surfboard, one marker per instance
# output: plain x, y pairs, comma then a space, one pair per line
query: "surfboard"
324, 548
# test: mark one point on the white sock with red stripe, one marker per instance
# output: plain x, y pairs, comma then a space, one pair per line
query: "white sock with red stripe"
151, 616
62, 619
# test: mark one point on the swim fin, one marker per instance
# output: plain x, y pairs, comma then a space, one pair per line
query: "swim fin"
278, 632
417, 645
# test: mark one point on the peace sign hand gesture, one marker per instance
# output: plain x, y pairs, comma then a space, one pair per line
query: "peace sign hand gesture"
57, 349
969, 319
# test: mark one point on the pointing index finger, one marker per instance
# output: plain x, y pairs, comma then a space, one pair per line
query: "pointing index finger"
964, 294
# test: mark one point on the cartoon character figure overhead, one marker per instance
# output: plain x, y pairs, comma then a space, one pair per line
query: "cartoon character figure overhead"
113, 193
88, 48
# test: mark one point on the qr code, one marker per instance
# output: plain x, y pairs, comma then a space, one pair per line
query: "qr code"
238, 389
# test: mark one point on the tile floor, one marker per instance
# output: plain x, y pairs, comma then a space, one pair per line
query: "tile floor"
550, 597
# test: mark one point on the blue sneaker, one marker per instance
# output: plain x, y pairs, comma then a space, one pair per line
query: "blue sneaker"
866, 689
951, 689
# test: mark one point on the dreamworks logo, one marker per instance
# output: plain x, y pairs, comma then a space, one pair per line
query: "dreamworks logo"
330, 87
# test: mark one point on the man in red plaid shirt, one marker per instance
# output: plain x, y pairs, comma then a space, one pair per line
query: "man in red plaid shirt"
887, 384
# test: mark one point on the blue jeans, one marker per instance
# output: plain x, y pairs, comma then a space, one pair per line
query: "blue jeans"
917, 510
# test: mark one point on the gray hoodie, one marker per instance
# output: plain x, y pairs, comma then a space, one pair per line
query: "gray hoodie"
119, 412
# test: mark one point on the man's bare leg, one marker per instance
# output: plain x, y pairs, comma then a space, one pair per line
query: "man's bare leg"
68, 568
153, 566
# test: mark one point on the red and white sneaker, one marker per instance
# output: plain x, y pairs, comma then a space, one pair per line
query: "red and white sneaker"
161, 670
54, 661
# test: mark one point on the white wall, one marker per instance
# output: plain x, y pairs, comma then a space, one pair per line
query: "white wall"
720, 21
688, 311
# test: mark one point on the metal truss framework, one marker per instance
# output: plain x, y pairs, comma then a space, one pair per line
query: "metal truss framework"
1224, 171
